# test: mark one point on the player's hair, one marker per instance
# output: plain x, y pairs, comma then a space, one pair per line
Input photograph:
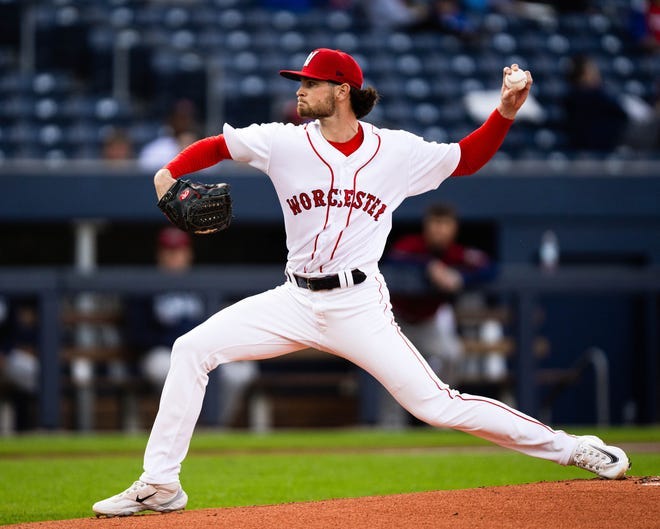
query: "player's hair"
577, 65
363, 101
441, 210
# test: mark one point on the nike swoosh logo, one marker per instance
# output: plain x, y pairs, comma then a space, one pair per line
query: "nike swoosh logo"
142, 500
613, 458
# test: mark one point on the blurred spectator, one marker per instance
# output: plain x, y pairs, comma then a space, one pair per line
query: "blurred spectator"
656, 108
446, 268
288, 113
594, 119
448, 16
117, 146
19, 360
653, 22
154, 323
181, 130
435, 259
391, 14
645, 23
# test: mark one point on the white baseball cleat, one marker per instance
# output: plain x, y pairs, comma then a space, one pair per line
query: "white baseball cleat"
143, 497
592, 454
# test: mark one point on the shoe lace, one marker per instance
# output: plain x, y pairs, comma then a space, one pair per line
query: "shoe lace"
588, 458
135, 487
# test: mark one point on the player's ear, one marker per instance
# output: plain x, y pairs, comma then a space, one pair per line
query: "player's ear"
343, 91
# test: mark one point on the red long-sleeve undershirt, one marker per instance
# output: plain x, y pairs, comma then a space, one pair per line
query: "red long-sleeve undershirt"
199, 155
476, 149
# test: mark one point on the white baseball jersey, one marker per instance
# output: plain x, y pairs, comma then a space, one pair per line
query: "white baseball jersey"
338, 209
338, 213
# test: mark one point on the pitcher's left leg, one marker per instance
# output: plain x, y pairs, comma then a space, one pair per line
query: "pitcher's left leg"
393, 360
371, 339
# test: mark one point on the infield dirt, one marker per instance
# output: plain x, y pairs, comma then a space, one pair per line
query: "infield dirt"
632, 503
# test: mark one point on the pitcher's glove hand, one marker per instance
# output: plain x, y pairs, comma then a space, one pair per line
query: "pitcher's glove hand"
197, 208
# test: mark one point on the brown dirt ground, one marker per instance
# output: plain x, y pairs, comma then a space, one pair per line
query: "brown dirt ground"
632, 503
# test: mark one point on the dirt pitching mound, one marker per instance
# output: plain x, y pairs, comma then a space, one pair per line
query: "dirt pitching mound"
633, 503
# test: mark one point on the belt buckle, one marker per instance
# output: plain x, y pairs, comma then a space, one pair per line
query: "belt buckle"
309, 285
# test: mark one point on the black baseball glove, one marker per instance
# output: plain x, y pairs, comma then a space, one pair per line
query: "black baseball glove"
197, 208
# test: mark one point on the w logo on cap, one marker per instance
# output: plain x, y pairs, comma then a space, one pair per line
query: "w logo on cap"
310, 57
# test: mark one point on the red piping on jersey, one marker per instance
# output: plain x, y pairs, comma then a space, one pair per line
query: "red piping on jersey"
327, 211
350, 209
446, 388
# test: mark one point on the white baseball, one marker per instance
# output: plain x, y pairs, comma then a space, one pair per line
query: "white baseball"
516, 80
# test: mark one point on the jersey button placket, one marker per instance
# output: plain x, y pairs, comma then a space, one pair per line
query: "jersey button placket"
318, 307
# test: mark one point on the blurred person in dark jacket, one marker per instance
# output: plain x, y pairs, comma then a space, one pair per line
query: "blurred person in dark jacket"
594, 119
446, 268
433, 260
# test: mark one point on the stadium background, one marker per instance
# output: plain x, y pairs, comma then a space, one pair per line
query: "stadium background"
74, 72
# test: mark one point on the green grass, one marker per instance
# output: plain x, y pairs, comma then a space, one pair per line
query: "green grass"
118, 443
46, 477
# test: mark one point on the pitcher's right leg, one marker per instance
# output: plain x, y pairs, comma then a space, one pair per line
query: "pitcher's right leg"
262, 326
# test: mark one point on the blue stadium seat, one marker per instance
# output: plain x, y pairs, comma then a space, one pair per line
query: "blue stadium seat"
17, 106
397, 111
122, 16
435, 133
78, 106
316, 38
289, 41
283, 21
346, 41
46, 109
51, 135
23, 133
391, 87
399, 42
417, 88
339, 21
82, 132
426, 113
230, 19
172, 43
450, 114
409, 64
446, 88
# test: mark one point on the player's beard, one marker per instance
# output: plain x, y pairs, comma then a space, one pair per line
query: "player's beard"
324, 109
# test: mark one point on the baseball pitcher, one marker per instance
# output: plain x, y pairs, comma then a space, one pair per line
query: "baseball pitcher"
338, 180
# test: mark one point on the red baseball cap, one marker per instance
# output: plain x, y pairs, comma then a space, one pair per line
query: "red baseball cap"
328, 65
172, 238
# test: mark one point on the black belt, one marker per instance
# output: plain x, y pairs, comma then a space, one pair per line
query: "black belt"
327, 282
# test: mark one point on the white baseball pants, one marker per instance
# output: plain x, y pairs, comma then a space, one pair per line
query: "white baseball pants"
355, 323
